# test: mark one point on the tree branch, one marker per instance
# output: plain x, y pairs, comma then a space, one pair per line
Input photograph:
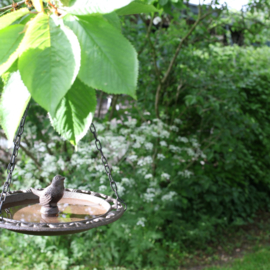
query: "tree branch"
11, 6
172, 62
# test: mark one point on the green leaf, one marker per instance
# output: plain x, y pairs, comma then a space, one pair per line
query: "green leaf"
11, 17
136, 7
114, 20
11, 38
163, 2
13, 103
75, 112
50, 61
109, 61
85, 7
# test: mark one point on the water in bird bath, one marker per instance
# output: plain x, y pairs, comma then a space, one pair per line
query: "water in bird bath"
70, 210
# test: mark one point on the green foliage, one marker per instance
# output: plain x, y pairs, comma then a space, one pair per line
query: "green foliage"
117, 58
75, 112
50, 60
51, 55
199, 169
10, 107
11, 37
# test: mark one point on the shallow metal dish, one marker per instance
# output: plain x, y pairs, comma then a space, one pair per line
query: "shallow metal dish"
114, 210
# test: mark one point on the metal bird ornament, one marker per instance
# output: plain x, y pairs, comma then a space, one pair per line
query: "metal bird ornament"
51, 195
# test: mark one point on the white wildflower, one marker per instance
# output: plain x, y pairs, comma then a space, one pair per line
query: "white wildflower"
154, 134
136, 145
115, 169
120, 189
99, 168
202, 162
163, 143
149, 146
182, 139
102, 188
190, 152
141, 222
164, 134
169, 196
175, 149
177, 121
145, 161
148, 197
174, 128
160, 156
124, 131
149, 175
165, 175
185, 173
128, 182
133, 157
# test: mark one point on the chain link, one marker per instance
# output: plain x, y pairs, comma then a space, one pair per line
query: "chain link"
11, 165
108, 170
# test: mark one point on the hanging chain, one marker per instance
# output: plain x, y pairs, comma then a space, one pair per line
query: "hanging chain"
108, 170
11, 165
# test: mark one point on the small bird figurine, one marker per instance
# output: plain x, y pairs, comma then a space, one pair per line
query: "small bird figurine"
51, 195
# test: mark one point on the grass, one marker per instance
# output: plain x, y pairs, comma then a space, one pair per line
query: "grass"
258, 260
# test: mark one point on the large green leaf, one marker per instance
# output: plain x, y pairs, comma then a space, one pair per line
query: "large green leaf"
14, 100
11, 38
109, 61
85, 7
75, 112
136, 7
50, 61
11, 17
114, 20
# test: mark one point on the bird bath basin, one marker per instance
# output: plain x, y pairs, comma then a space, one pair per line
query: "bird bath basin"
70, 210
79, 211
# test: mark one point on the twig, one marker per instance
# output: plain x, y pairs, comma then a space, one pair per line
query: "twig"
147, 33
11, 6
172, 62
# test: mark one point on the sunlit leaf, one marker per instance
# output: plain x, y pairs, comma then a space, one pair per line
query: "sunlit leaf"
75, 112
109, 61
136, 7
14, 100
50, 62
84, 7
113, 19
11, 38
11, 17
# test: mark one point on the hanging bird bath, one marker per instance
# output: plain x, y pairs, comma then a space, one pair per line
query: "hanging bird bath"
79, 210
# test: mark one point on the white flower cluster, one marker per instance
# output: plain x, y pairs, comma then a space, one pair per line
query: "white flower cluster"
148, 176
175, 149
160, 156
178, 121
182, 139
165, 175
141, 222
169, 196
145, 161
185, 173
174, 128
128, 182
163, 143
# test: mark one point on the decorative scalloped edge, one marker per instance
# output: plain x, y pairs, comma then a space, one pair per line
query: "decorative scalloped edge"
105, 219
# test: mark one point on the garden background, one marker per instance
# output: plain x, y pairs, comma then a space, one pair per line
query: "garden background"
190, 156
